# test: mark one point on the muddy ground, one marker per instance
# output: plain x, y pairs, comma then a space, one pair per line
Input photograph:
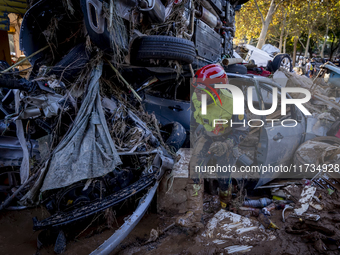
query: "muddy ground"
304, 237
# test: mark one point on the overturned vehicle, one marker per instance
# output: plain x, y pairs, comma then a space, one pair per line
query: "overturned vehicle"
75, 133
106, 155
137, 33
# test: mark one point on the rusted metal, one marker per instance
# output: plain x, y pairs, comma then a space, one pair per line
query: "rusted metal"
208, 18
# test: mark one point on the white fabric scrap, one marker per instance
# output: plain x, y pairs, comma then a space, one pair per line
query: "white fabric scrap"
25, 164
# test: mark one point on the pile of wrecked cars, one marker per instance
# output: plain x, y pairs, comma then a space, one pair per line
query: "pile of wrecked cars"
107, 105
74, 136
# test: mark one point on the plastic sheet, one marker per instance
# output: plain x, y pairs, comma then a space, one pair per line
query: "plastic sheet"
88, 150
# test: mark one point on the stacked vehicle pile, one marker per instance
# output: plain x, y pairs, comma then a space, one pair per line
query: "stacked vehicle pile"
75, 136
76, 128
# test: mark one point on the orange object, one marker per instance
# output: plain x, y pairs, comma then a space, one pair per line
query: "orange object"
266, 210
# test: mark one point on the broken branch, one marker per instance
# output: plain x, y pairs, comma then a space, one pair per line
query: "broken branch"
21, 61
124, 81
258, 8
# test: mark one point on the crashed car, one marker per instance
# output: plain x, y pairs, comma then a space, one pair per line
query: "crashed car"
100, 156
138, 33
40, 109
100, 152
170, 101
85, 152
262, 63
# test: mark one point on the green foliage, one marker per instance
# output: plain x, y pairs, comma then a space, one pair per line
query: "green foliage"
317, 16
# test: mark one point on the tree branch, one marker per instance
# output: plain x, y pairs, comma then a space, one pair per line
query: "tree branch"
273, 38
258, 8
277, 5
334, 40
302, 44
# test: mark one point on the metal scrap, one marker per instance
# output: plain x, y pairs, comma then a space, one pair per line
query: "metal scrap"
110, 244
287, 207
328, 181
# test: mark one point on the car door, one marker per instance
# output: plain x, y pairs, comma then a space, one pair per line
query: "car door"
182, 99
168, 101
278, 143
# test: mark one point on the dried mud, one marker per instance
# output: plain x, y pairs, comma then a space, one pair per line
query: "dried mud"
309, 237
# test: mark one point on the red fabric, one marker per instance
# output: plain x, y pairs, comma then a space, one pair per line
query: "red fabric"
262, 73
338, 134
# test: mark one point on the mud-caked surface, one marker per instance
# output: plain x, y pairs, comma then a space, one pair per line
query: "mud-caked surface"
295, 236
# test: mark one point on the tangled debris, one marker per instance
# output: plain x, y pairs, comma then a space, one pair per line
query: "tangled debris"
98, 147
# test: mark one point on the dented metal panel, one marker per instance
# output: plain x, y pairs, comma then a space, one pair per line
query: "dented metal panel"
207, 42
11, 151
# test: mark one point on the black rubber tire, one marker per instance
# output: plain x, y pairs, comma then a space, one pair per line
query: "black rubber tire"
270, 66
236, 68
173, 135
158, 47
277, 62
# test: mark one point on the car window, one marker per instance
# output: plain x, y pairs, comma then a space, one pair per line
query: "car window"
267, 96
292, 111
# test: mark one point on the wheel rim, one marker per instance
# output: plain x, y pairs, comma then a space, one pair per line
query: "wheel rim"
285, 63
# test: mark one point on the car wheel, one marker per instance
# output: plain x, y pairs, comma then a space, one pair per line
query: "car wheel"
173, 135
282, 60
157, 47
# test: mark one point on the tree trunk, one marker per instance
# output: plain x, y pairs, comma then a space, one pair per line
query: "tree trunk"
325, 41
265, 25
318, 45
310, 53
337, 52
284, 43
249, 41
336, 48
282, 31
280, 43
5, 53
308, 41
294, 52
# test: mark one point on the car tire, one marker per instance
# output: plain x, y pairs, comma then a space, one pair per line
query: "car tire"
236, 68
173, 135
282, 60
159, 47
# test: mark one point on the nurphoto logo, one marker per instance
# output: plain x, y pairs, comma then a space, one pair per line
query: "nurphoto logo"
238, 103
238, 99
